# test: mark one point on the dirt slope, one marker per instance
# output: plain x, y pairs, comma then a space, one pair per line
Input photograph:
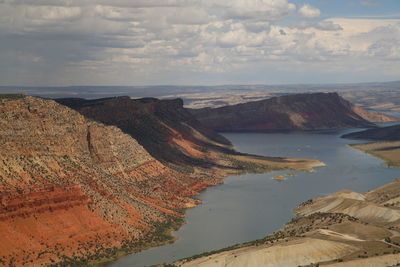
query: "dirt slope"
342, 229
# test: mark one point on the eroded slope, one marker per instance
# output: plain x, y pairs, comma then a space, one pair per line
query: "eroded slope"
74, 190
345, 228
167, 130
292, 112
69, 185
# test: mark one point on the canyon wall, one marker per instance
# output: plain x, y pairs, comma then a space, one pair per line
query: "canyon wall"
314, 111
76, 189
163, 127
389, 133
72, 188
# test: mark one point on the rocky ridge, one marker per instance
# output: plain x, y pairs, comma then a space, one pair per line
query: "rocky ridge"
163, 127
389, 133
315, 111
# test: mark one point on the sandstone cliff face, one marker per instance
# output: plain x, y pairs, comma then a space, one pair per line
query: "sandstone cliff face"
373, 116
163, 127
293, 112
73, 189
70, 187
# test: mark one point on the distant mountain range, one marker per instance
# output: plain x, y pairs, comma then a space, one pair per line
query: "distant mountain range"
159, 91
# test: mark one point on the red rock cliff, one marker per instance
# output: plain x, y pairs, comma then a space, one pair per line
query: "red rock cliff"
71, 188
74, 190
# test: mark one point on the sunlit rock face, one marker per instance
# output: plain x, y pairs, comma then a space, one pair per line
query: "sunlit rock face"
168, 131
75, 187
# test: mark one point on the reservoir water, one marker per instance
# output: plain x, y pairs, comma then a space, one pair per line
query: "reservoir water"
249, 207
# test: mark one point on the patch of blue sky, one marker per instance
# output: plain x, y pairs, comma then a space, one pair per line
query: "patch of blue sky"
360, 9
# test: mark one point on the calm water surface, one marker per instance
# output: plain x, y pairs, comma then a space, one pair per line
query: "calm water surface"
249, 207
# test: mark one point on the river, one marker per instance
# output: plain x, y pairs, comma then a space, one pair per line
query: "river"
249, 207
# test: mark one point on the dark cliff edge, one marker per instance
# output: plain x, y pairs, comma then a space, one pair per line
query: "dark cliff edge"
163, 127
384, 143
173, 136
389, 133
315, 111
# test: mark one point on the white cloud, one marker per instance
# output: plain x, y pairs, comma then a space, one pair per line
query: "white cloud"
158, 38
189, 15
307, 11
240, 36
52, 13
143, 3
116, 13
388, 49
322, 25
262, 9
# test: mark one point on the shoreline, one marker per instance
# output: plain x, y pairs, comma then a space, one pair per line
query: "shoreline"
388, 151
169, 239
316, 209
262, 165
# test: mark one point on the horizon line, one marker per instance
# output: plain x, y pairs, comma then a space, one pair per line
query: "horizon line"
199, 85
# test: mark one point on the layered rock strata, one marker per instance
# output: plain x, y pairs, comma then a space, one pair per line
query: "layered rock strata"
316, 111
74, 190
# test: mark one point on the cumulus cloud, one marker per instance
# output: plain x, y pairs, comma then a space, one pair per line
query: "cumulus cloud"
45, 14
125, 41
189, 15
322, 25
307, 11
262, 9
388, 49
239, 36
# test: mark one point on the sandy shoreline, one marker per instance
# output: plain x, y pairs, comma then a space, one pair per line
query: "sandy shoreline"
342, 229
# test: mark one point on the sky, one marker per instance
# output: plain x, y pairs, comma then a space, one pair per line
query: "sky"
198, 42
